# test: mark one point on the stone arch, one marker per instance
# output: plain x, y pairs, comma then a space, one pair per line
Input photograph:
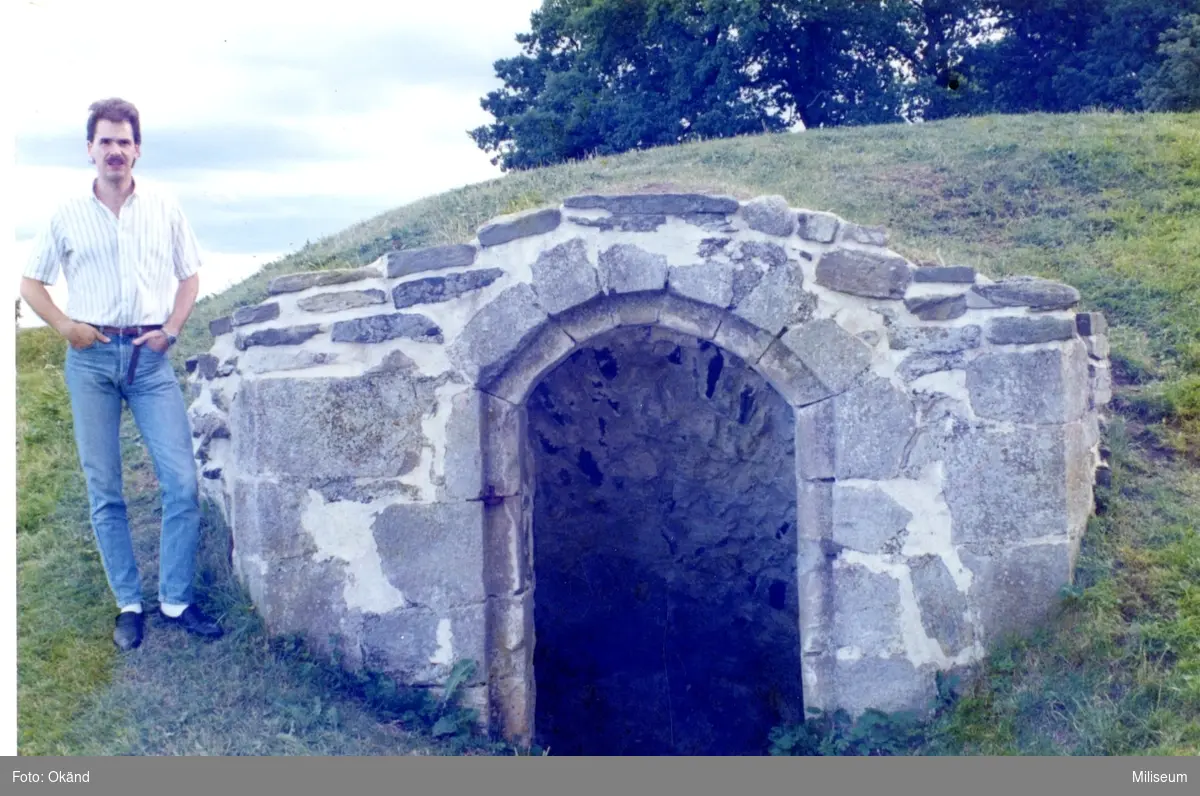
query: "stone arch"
868, 406
946, 434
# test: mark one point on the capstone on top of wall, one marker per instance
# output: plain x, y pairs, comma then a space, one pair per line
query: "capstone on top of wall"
353, 403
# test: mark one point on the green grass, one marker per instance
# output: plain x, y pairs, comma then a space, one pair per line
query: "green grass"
1107, 202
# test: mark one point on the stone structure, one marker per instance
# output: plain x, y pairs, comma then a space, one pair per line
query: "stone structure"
386, 444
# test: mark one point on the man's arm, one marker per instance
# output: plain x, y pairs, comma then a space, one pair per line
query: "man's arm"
79, 335
185, 300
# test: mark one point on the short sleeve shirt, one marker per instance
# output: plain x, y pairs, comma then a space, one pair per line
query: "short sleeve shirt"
121, 270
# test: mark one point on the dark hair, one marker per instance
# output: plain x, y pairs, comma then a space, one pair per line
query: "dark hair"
114, 110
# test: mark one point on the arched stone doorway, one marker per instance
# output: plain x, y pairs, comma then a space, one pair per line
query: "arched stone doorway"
664, 550
846, 421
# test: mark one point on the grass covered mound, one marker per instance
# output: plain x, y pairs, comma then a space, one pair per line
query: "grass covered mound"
1109, 203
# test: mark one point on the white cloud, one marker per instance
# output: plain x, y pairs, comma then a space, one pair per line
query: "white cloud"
391, 88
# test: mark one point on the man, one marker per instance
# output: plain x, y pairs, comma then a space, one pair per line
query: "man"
131, 263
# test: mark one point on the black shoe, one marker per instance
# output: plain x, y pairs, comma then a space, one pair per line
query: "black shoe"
128, 633
195, 622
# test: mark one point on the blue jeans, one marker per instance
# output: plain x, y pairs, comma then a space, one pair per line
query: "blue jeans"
96, 381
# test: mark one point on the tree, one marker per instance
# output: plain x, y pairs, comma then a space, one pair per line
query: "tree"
1070, 55
1175, 85
606, 76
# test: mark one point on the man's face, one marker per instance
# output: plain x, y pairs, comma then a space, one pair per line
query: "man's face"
113, 149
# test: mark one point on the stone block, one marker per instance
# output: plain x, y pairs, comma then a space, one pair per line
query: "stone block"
887, 684
790, 377
504, 428
978, 302
953, 274
816, 442
462, 462
1091, 323
419, 646
882, 276
655, 204
1100, 382
510, 626
817, 227
433, 552
779, 300
1006, 486
497, 332
1048, 386
208, 426
762, 253
873, 424
741, 338
256, 314
636, 309
770, 215
220, 326
1029, 291
292, 335
866, 519
549, 346
1017, 588
206, 366
431, 258
563, 277
689, 317
1029, 331
871, 236
943, 606
1097, 346
587, 320
306, 597
378, 328
436, 289
935, 339
519, 225
625, 268
506, 568
624, 223
814, 510
267, 517
832, 354
270, 360
293, 283
866, 609
937, 308
915, 366
708, 283
342, 300
365, 426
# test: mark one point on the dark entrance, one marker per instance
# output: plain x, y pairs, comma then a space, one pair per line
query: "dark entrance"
664, 537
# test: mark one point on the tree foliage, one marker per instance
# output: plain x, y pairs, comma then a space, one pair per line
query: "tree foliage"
598, 77
1175, 85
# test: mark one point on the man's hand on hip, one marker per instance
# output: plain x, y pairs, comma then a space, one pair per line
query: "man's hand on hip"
82, 335
157, 340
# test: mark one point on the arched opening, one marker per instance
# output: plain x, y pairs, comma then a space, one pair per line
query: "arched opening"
664, 550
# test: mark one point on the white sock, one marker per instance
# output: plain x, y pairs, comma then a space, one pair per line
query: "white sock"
173, 610
133, 608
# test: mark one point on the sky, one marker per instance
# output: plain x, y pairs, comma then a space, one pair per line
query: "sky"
273, 123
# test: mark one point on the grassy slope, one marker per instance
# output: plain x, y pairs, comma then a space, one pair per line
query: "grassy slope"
1109, 203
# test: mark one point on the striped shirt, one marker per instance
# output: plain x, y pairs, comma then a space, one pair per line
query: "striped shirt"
120, 270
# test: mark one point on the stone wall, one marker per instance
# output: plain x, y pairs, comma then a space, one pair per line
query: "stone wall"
366, 435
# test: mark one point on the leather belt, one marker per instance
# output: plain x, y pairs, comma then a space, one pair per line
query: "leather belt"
129, 331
